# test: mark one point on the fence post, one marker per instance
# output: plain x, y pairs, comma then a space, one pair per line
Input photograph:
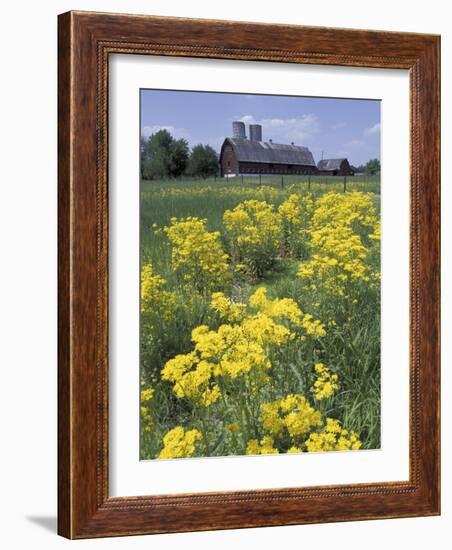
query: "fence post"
242, 179
282, 182
259, 179
309, 182
345, 183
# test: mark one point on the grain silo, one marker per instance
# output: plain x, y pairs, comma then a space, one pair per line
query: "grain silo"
238, 129
255, 132
253, 156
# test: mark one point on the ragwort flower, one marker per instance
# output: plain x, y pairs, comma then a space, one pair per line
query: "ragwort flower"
180, 443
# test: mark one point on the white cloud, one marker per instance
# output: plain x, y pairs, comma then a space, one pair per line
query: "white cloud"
284, 130
354, 143
177, 133
351, 148
247, 119
338, 125
373, 130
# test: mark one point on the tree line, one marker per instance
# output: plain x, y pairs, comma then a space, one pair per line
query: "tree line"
164, 157
372, 167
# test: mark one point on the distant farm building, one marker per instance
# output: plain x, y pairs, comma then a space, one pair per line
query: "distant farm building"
335, 167
240, 155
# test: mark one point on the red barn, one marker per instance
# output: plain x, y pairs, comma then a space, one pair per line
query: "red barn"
250, 156
335, 167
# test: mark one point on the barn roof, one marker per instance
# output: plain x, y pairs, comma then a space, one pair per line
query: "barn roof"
272, 153
330, 164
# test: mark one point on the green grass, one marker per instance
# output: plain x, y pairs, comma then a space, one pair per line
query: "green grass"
352, 347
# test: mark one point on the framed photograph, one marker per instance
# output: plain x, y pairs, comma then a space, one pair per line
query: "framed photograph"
248, 275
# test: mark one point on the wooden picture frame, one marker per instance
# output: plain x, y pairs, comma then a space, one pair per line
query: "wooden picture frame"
86, 40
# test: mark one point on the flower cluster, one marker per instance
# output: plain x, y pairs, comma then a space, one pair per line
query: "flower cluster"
238, 348
295, 214
226, 308
262, 447
292, 413
191, 377
239, 362
294, 426
254, 236
180, 443
287, 308
355, 210
197, 257
333, 437
155, 302
145, 397
376, 235
326, 383
338, 227
231, 351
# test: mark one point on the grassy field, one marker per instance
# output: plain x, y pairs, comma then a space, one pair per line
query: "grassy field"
349, 349
210, 198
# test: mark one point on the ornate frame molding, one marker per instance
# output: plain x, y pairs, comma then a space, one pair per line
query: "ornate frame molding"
85, 42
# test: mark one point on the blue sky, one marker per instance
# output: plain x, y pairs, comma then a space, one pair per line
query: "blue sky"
337, 127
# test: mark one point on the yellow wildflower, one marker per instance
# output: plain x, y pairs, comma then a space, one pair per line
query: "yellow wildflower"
376, 235
262, 447
197, 256
239, 348
293, 413
337, 229
326, 383
286, 309
333, 438
192, 378
226, 308
253, 231
180, 443
154, 300
295, 213
146, 418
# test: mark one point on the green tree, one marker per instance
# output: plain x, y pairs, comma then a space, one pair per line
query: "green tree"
162, 156
156, 155
179, 157
142, 154
361, 169
203, 161
373, 166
